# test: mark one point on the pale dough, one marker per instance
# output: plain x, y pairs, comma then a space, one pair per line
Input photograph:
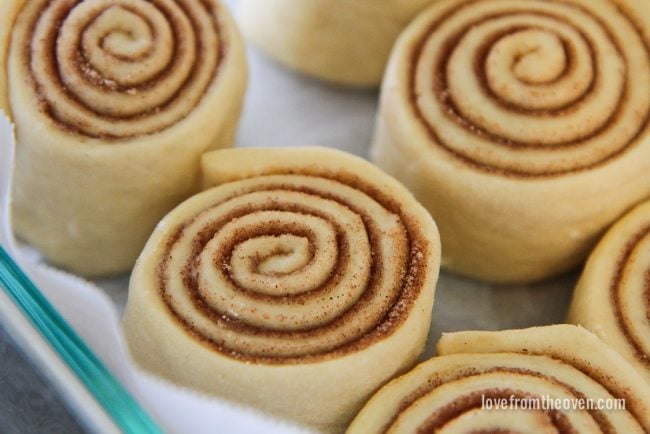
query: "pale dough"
342, 41
543, 365
299, 283
111, 120
522, 126
612, 298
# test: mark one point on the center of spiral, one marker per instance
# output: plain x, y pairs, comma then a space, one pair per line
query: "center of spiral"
121, 33
536, 56
278, 261
273, 255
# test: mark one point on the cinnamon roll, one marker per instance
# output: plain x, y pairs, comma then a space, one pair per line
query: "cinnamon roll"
299, 284
521, 125
114, 101
612, 298
336, 40
546, 379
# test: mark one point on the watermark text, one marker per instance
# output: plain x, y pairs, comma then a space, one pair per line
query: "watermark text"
547, 402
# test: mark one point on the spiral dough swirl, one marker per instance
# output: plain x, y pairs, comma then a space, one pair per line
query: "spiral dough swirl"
532, 376
285, 268
613, 295
532, 88
630, 293
117, 68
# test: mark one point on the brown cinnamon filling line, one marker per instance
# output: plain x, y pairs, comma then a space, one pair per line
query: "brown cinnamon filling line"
473, 401
452, 112
235, 324
403, 297
492, 431
457, 408
222, 260
622, 318
91, 76
480, 68
86, 71
646, 294
102, 43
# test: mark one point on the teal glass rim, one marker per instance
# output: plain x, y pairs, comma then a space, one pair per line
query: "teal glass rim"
118, 404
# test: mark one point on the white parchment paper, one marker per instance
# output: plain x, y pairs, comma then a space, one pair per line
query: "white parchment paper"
281, 109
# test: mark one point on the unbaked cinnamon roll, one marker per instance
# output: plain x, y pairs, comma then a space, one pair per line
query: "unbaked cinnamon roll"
299, 284
612, 298
546, 379
114, 101
342, 41
522, 125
